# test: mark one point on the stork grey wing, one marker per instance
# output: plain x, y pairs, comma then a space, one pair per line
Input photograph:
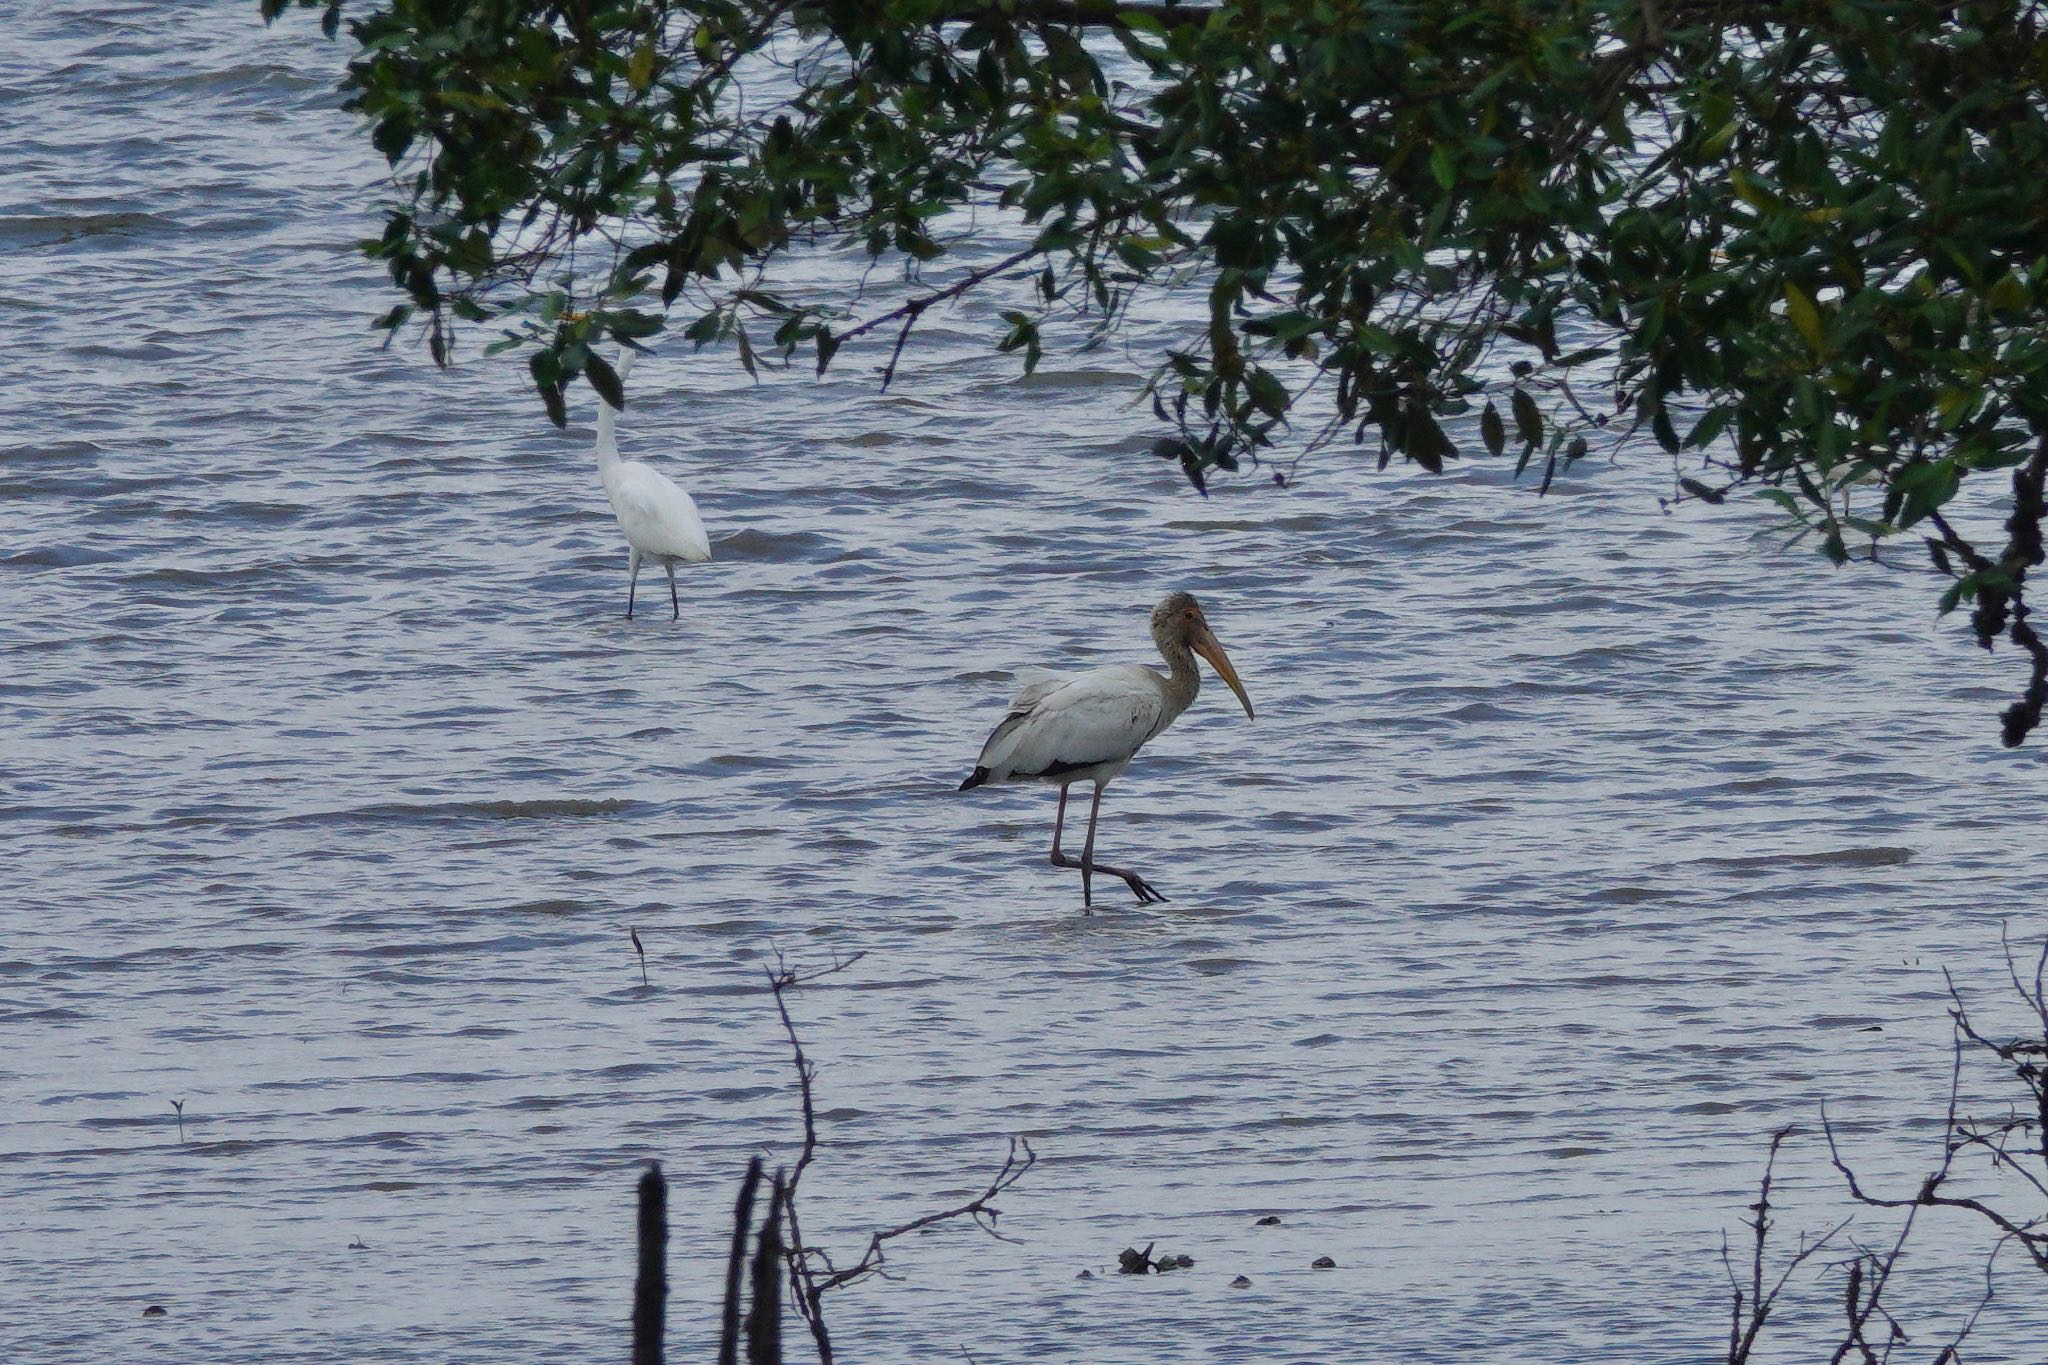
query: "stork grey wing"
1100, 717
1036, 689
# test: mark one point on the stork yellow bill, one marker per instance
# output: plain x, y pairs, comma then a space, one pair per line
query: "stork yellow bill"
1088, 727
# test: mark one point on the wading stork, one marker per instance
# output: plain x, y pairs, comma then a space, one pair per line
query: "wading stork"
1086, 728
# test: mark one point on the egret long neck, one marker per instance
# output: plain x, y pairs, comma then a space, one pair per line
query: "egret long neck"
607, 443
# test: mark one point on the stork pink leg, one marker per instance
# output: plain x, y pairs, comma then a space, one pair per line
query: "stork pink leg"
1142, 889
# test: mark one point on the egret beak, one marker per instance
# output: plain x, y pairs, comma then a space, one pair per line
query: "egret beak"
1205, 643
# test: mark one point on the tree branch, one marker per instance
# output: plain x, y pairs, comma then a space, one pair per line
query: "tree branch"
2024, 551
1744, 1328
1091, 13
803, 1288
807, 1284
911, 310
979, 1209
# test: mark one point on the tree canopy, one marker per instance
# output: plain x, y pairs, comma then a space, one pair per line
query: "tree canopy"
1799, 246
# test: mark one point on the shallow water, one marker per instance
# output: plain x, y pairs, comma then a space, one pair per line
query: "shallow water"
1575, 846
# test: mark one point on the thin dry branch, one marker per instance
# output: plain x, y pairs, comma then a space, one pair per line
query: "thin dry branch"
1750, 1312
810, 1269
979, 1210
1871, 1332
1955, 1138
803, 1288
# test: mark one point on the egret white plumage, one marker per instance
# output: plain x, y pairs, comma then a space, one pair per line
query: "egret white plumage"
659, 520
1086, 728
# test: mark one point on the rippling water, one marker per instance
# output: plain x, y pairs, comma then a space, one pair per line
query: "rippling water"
1575, 846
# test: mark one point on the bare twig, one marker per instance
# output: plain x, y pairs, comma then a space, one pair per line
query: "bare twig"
803, 1287
979, 1209
810, 1269
1752, 1308
1871, 1332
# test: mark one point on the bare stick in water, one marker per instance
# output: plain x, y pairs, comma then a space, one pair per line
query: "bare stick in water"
764, 1318
634, 934
650, 1286
742, 1220
179, 1105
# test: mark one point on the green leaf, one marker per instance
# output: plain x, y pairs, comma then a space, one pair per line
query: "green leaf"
1661, 428
1268, 394
1804, 316
1492, 431
2009, 295
1528, 418
1754, 192
605, 380
640, 70
704, 329
1708, 427
627, 325
1442, 166
1924, 488
1427, 445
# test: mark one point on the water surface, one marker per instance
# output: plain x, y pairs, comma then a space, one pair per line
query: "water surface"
1575, 846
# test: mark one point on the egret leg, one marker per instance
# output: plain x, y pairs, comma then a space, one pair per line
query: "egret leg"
632, 580
675, 607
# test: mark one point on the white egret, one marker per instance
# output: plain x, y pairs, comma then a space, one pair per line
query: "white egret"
659, 519
1086, 728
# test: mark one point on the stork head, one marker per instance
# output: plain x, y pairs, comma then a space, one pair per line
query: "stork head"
1178, 624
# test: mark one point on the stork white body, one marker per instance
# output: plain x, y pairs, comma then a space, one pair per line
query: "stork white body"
658, 518
1088, 727
1084, 728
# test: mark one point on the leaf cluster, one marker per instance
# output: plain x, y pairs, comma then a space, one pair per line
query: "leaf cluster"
1802, 245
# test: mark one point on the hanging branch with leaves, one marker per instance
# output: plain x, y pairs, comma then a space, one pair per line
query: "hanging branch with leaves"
1801, 246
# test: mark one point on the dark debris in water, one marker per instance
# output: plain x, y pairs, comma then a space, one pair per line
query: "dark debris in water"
1131, 1261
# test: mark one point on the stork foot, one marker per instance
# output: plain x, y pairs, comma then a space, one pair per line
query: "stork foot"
1146, 893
